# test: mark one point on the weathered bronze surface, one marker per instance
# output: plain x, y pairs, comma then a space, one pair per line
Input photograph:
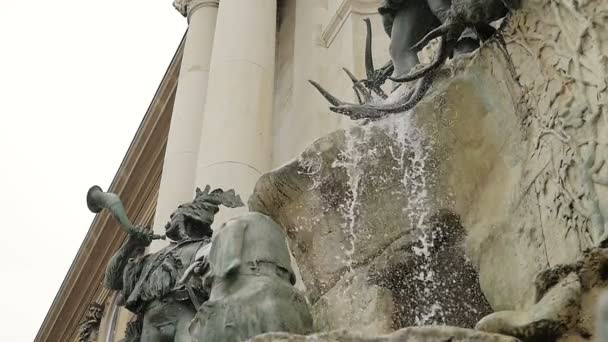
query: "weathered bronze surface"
251, 283
462, 15
150, 283
411, 24
97, 200
408, 21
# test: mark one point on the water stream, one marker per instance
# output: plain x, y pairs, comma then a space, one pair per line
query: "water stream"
411, 151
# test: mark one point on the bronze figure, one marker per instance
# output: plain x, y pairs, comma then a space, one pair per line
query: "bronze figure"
150, 282
251, 280
411, 24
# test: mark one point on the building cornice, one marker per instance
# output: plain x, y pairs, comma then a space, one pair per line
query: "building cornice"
136, 182
339, 17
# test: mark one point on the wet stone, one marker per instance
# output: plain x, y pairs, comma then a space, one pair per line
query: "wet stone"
417, 334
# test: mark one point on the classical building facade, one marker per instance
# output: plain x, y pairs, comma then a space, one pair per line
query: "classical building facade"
485, 205
234, 103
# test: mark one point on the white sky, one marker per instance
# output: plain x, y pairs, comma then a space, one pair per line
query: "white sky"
76, 77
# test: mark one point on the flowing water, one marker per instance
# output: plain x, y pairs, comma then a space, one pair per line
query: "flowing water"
350, 159
411, 151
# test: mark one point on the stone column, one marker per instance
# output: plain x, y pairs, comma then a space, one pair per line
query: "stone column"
178, 180
236, 140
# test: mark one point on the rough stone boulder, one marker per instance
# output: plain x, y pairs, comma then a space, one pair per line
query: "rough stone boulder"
371, 223
418, 334
566, 303
505, 159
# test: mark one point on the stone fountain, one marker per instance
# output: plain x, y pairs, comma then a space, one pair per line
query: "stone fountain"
482, 207
470, 205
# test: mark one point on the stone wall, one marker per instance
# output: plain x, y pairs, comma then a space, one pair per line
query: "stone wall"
316, 39
557, 203
504, 160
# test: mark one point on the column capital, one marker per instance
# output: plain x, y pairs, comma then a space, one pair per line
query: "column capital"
187, 7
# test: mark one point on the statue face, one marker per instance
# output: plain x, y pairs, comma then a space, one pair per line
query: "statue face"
175, 229
182, 227
177, 219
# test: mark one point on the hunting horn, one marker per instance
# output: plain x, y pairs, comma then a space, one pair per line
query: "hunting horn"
97, 200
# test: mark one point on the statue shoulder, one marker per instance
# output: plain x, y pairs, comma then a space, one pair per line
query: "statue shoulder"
203, 251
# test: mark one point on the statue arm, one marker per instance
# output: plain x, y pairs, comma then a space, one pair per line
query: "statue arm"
132, 248
115, 271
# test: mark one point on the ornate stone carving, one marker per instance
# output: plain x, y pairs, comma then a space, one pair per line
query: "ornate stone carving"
185, 7
567, 116
89, 327
149, 283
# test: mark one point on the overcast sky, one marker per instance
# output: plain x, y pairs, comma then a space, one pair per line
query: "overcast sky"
76, 77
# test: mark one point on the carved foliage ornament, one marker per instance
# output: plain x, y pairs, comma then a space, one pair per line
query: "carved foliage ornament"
185, 7
89, 327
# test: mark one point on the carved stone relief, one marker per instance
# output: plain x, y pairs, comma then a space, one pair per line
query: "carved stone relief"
89, 328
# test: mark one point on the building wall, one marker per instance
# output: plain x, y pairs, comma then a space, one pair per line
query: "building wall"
315, 40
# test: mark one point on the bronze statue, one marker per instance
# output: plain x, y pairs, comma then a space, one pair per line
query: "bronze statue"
462, 15
409, 21
150, 282
251, 280
411, 24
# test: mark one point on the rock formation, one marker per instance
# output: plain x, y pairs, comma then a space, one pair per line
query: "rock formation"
505, 156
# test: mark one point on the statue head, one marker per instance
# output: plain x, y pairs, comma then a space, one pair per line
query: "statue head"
194, 219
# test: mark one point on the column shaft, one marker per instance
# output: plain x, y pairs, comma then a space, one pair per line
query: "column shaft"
235, 146
179, 169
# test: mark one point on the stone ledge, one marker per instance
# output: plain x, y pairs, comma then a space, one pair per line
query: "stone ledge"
417, 334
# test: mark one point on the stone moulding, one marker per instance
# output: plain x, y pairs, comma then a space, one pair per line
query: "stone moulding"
339, 17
